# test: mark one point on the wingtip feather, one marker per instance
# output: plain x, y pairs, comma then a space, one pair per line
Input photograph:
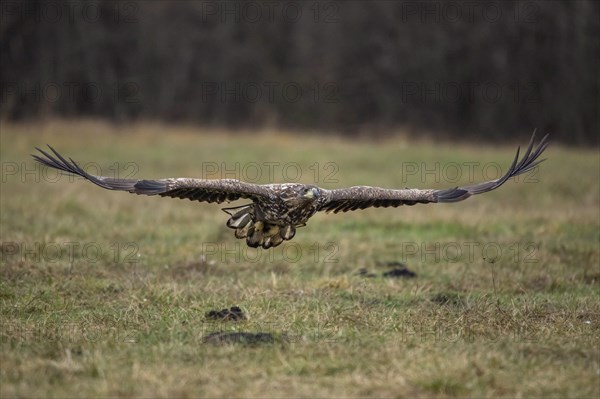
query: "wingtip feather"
525, 164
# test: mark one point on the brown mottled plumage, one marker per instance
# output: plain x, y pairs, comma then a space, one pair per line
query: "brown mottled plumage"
276, 210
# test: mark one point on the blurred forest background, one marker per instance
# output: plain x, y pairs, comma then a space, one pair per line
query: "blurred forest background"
493, 69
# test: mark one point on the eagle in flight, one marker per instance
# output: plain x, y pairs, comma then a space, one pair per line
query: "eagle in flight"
276, 210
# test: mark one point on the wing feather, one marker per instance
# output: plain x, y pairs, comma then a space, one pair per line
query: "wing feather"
218, 190
361, 197
528, 162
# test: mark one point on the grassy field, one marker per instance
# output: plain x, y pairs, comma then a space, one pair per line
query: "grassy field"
105, 293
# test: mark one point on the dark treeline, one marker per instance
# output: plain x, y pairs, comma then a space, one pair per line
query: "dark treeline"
496, 69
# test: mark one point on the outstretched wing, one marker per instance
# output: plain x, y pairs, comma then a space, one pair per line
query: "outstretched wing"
218, 190
361, 197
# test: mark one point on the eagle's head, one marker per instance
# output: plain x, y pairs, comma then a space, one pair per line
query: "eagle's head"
310, 193
300, 195
307, 195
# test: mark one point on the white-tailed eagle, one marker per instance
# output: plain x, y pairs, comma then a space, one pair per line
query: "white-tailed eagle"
276, 210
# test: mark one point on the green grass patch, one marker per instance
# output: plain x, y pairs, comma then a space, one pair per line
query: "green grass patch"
105, 293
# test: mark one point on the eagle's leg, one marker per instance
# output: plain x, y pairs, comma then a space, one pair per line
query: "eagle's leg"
241, 219
267, 235
262, 234
257, 233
